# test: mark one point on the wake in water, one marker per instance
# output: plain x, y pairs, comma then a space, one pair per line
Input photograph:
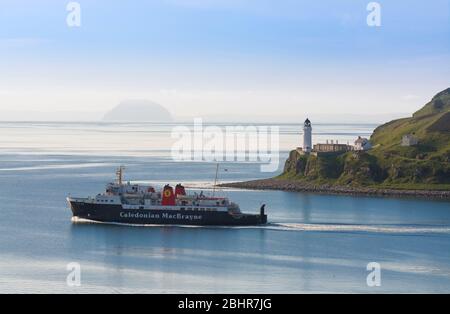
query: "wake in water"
357, 228
343, 228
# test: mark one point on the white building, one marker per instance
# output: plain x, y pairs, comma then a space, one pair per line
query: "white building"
307, 136
362, 143
409, 140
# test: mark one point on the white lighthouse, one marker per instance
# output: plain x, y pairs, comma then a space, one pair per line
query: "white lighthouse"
307, 136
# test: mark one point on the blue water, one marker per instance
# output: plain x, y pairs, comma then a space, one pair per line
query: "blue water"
313, 243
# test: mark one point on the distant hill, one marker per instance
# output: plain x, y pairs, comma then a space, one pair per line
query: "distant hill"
139, 111
389, 164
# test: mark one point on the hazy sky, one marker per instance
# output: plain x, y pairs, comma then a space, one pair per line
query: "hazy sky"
203, 57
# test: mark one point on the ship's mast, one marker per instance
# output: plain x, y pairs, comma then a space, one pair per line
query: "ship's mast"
215, 179
119, 174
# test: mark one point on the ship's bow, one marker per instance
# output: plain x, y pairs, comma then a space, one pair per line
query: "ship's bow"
76, 206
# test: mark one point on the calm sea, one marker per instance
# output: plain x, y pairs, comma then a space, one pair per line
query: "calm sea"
313, 243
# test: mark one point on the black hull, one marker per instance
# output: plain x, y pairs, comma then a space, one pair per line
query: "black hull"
116, 214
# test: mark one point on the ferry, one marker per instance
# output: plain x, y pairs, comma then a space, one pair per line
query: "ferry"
143, 205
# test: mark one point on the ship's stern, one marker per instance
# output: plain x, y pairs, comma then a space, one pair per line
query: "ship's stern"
262, 214
263, 219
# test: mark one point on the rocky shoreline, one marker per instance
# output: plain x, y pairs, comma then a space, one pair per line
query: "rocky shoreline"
296, 186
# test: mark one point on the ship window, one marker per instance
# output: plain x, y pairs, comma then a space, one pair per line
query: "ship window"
189, 208
182, 208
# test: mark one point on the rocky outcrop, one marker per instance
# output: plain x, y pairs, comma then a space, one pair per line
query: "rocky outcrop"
356, 167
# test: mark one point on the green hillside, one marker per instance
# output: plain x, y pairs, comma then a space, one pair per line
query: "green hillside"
439, 103
389, 164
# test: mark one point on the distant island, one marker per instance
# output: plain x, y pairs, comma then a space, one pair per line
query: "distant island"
139, 111
404, 157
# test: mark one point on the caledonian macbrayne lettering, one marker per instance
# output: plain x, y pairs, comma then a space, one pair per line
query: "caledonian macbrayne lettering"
157, 216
